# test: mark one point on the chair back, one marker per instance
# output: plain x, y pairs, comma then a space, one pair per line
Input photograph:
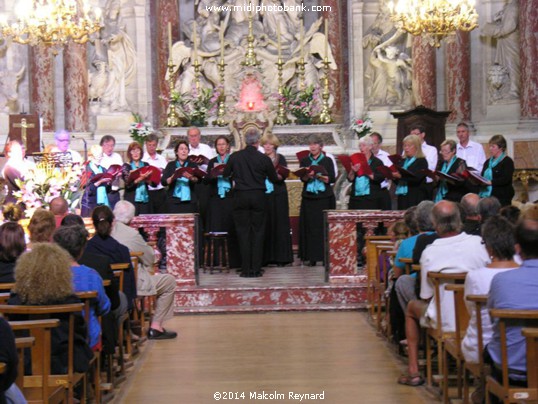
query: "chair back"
119, 271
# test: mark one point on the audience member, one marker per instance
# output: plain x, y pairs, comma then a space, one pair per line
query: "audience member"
488, 207
12, 212
12, 245
471, 222
59, 207
41, 226
511, 213
9, 392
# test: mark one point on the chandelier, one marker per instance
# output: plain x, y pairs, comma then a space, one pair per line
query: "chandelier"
51, 22
434, 19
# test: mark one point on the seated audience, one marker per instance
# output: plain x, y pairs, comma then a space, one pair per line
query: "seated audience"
44, 278
9, 392
73, 239
453, 251
59, 208
471, 222
488, 207
12, 212
511, 213
148, 284
41, 226
12, 245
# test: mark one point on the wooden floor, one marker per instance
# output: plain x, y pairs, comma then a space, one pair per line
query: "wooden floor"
334, 353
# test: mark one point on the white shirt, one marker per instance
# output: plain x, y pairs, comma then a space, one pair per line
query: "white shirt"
202, 150
158, 161
430, 152
460, 253
384, 157
473, 154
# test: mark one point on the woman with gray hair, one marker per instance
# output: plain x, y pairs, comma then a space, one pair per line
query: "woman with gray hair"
366, 191
450, 164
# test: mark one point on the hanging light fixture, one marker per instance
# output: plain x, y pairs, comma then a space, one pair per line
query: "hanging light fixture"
434, 19
51, 22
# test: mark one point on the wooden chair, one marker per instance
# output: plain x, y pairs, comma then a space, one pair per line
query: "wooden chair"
380, 283
452, 345
4, 297
40, 386
371, 243
436, 333
504, 390
531, 337
70, 379
6, 287
478, 370
125, 327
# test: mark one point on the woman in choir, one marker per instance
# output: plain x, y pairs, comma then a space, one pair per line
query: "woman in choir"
181, 197
411, 189
136, 191
219, 215
16, 168
366, 191
95, 193
450, 164
498, 169
277, 246
317, 196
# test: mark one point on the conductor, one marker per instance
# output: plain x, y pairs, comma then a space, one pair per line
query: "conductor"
249, 169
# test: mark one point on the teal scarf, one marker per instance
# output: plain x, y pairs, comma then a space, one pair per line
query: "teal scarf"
315, 185
401, 188
362, 184
223, 184
443, 189
141, 193
488, 174
182, 189
102, 198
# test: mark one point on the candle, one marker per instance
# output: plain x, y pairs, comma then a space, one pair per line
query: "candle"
194, 40
169, 39
222, 39
326, 37
301, 41
279, 45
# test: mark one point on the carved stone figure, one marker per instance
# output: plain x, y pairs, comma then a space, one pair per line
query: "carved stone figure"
9, 84
498, 81
504, 29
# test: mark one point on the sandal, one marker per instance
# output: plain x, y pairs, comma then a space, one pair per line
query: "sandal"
411, 380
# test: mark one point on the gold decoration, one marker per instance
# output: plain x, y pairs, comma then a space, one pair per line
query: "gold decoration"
250, 55
281, 118
172, 120
221, 109
434, 19
325, 116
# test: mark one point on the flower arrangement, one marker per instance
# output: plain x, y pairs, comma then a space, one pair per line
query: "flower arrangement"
139, 129
362, 126
304, 105
197, 106
45, 182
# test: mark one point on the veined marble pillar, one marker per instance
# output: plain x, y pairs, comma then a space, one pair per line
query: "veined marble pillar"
458, 77
424, 80
337, 41
162, 13
528, 39
41, 79
76, 88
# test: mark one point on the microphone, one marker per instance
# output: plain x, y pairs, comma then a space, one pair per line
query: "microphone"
85, 145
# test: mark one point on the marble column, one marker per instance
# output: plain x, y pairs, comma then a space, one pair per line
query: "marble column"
528, 39
458, 77
162, 12
424, 77
76, 88
335, 12
41, 77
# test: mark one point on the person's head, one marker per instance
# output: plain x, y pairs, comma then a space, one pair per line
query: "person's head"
448, 150
469, 204
462, 132
511, 213
193, 134
497, 145
418, 130
446, 218
107, 144
423, 216
181, 150
124, 211
59, 206
222, 145
488, 207
412, 146
399, 230
41, 226
315, 144
102, 218
366, 144
62, 139
14, 150
252, 137
392, 52
269, 143
152, 140
377, 140
527, 238
12, 243
72, 239
411, 220
43, 275
134, 151
498, 236
72, 220
12, 212
96, 154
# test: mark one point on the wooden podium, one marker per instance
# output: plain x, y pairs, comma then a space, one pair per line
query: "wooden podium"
26, 129
433, 121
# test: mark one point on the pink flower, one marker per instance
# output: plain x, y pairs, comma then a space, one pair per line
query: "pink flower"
359, 122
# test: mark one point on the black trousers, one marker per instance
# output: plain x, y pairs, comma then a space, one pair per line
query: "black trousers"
249, 220
157, 201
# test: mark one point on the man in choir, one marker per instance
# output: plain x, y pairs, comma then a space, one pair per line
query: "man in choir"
196, 148
430, 152
108, 159
157, 194
249, 169
382, 155
62, 140
471, 152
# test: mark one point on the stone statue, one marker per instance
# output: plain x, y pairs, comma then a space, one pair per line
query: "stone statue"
9, 84
497, 79
504, 29
121, 55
